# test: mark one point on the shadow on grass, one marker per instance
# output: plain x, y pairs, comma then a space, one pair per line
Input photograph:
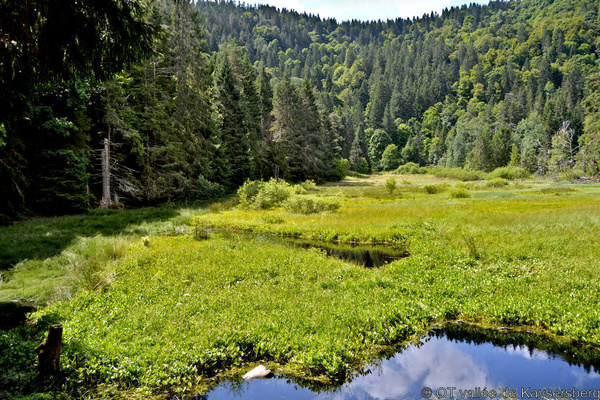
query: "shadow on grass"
41, 238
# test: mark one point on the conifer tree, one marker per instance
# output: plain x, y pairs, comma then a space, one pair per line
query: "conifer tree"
358, 152
230, 107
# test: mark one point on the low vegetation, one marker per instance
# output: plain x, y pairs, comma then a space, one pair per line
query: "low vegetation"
153, 311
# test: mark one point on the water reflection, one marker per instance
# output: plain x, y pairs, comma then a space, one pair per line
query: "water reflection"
369, 256
458, 358
366, 255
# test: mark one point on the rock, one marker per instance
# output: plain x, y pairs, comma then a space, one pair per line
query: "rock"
260, 372
505, 328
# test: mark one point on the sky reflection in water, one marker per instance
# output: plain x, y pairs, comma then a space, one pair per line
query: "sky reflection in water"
439, 362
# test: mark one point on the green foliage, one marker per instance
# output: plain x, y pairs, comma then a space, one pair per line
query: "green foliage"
390, 184
248, 192
140, 333
410, 169
377, 145
431, 189
43, 54
309, 205
390, 159
510, 173
459, 193
455, 173
265, 195
272, 194
362, 166
272, 219
304, 187
341, 167
2, 135
496, 183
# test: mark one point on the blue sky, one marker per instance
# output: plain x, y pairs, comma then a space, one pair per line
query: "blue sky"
366, 9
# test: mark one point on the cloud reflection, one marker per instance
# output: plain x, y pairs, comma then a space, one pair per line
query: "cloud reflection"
435, 364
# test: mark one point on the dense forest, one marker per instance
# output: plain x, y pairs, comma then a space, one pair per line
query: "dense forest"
112, 102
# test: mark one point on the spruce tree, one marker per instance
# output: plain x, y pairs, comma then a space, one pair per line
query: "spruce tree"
358, 152
230, 107
287, 129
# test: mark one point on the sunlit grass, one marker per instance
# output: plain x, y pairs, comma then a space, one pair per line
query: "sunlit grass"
168, 310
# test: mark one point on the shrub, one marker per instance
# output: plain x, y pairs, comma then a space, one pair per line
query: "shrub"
206, 189
248, 191
509, 173
459, 193
571, 175
466, 185
496, 183
455, 173
309, 205
308, 185
272, 194
390, 184
341, 166
362, 166
264, 195
431, 189
411, 169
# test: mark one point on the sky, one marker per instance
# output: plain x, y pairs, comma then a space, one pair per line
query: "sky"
366, 9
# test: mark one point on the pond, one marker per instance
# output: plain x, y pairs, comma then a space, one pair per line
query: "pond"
369, 256
454, 362
366, 255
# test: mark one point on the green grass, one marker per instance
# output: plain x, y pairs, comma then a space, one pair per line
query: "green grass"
167, 313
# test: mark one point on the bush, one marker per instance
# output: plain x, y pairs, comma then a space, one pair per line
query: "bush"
410, 169
390, 184
571, 175
431, 189
509, 173
307, 186
264, 195
455, 173
459, 193
309, 205
341, 166
362, 166
206, 189
248, 191
272, 194
496, 183
467, 185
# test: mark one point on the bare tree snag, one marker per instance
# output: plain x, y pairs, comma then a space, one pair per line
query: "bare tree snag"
49, 351
106, 201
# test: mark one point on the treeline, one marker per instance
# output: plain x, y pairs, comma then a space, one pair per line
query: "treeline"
139, 102
138, 112
477, 87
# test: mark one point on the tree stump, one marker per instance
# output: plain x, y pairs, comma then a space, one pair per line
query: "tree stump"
49, 352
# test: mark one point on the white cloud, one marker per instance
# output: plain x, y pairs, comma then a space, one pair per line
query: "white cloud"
366, 9
435, 364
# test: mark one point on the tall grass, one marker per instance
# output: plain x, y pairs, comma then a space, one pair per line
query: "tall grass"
175, 310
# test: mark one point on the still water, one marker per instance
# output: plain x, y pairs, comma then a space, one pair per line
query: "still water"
466, 359
368, 256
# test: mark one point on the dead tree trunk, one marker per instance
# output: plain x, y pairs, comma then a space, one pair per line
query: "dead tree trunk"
106, 201
49, 352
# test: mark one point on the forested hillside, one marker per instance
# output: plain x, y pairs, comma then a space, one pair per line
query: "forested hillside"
141, 102
477, 87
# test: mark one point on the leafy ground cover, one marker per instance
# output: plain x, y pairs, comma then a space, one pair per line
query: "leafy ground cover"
171, 312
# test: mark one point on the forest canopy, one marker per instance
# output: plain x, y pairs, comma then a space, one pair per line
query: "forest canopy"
170, 100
